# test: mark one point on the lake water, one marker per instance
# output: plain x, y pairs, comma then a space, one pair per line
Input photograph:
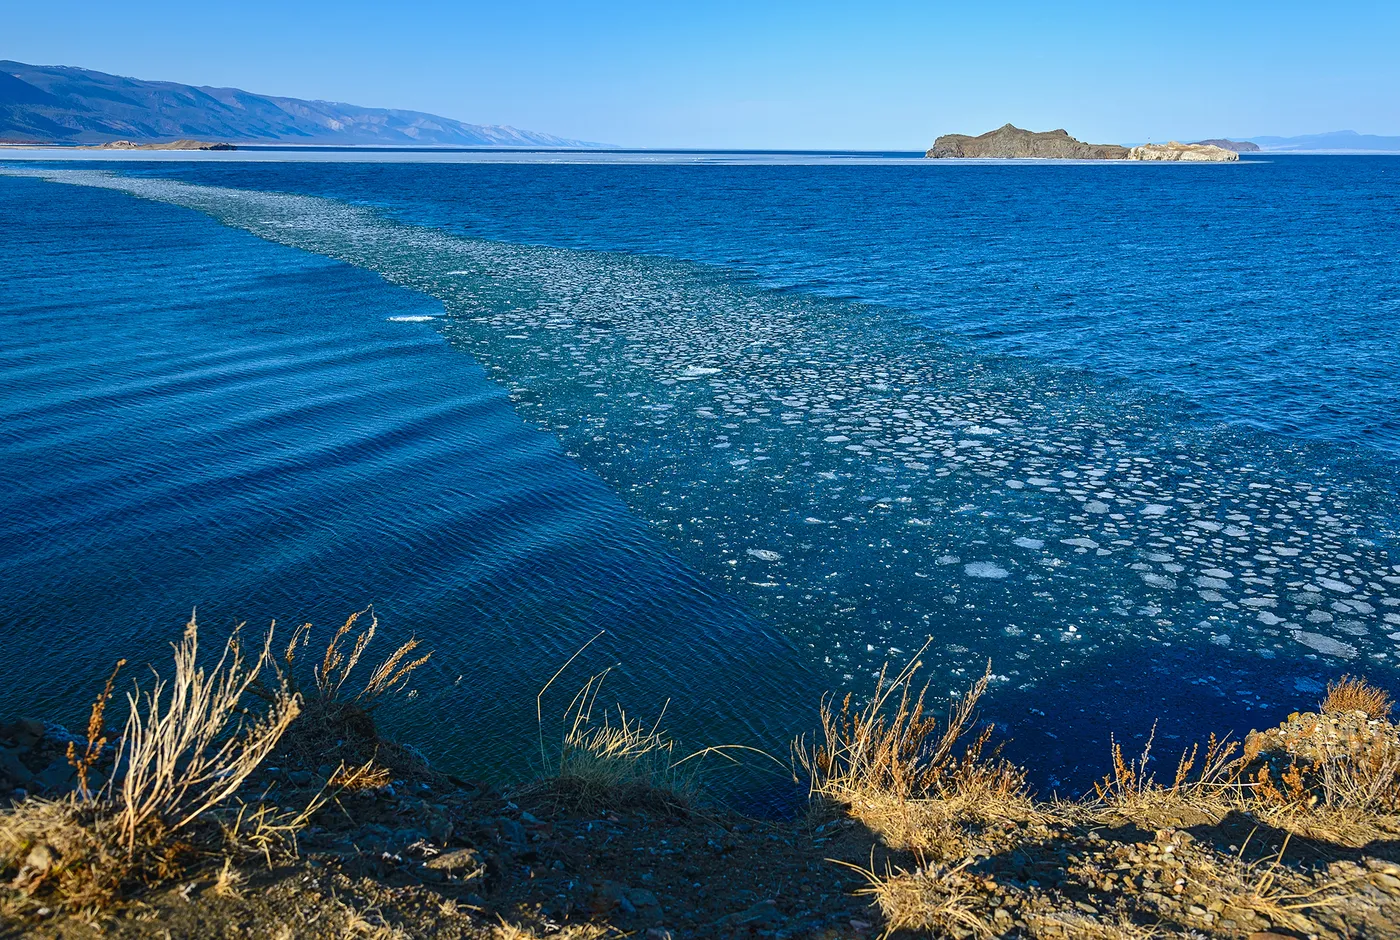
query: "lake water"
1130, 432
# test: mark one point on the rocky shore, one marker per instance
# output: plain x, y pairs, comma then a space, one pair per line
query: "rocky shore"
914, 830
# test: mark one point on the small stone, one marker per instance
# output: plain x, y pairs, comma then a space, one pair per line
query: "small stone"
26, 732
41, 858
58, 777
13, 769
461, 863
512, 831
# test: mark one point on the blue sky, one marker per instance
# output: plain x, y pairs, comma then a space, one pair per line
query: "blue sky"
754, 74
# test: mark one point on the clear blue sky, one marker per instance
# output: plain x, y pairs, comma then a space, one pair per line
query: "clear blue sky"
755, 74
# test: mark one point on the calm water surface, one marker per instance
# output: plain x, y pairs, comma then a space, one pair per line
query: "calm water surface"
1129, 432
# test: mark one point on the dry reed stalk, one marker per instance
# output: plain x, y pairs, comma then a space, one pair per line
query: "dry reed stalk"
185, 752
96, 736
338, 663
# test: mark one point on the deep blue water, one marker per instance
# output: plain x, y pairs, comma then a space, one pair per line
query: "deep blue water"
1128, 431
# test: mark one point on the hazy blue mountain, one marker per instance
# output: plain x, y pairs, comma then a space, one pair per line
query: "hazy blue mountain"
60, 104
1334, 140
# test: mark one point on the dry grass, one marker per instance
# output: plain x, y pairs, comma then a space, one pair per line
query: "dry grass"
613, 759
892, 746
1347, 694
60, 850
1206, 785
189, 744
1269, 889
943, 900
504, 931
337, 725
368, 776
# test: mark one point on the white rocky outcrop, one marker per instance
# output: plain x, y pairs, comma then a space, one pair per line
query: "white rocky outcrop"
1185, 153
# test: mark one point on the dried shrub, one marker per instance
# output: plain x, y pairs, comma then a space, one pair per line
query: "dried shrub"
85, 763
189, 744
1206, 785
184, 753
1347, 695
892, 748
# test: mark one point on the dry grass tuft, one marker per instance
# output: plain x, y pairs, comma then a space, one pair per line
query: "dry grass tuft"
338, 725
1346, 695
185, 754
1207, 781
1269, 889
189, 744
337, 664
504, 931
940, 899
893, 750
368, 776
615, 760
64, 851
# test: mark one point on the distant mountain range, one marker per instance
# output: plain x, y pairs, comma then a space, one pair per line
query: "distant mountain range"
1335, 140
64, 105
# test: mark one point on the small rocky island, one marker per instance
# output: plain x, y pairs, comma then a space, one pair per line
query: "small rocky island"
182, 144
1014, 143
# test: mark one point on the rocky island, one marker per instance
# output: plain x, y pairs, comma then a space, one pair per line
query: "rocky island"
1239, 146
182, 144
1011, 142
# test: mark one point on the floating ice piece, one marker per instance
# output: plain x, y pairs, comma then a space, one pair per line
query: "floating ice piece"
410, 319
947, 560
1154, 509
1340, 587
836, 439
1030, 543
1157, 580
1216, 573
695, 372
1095, 505
1325, 644
985, 569
1080, 542
1206, 524
763, 554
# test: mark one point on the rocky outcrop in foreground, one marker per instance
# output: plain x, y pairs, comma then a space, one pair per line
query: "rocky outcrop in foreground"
1011, 142
1183, 153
